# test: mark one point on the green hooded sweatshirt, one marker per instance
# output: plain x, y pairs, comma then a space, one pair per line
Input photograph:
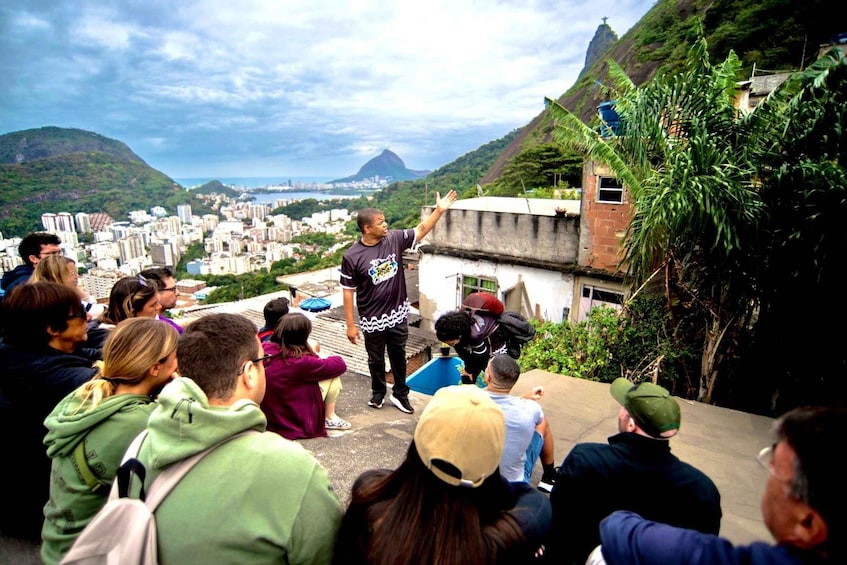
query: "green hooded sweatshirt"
259, 498
107, 430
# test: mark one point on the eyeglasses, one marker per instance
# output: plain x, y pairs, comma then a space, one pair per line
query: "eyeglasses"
83, 315
264, 360
765, 459
45, 253
169, 289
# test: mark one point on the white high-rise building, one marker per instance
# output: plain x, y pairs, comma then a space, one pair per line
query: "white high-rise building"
183, 211
49, 222
83, 222
65, 222
163, 254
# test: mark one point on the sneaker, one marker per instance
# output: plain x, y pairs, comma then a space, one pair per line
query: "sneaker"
547, 482
402, 404
338, 424
375, 401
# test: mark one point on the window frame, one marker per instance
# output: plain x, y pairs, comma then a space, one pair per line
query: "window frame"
474, 283
604, 193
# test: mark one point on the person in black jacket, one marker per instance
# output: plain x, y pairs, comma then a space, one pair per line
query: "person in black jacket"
32, 249
634, 471
44, 324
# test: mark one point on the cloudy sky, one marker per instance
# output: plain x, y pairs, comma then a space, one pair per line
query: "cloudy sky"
241, 88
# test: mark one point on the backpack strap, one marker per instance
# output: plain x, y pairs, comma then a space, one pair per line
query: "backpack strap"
95, 484
166, 480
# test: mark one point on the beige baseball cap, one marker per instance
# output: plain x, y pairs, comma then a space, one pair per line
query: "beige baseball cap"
460, 435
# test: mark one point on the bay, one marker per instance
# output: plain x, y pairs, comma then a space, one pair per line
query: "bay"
255, 182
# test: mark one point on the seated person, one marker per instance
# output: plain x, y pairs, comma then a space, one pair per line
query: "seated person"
301, 387
634, 471
43, 326
90, 429
449, 486
802, 507
528, 434
165, 283
274, 310
130, 297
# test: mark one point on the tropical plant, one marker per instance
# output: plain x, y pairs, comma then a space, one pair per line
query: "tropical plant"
681, 151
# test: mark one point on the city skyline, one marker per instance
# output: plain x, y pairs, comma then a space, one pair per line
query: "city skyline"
264, 88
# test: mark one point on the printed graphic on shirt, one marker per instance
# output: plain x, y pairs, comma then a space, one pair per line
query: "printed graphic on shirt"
385, 321
383, 269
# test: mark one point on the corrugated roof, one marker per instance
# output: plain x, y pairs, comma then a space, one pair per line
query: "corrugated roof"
329, 328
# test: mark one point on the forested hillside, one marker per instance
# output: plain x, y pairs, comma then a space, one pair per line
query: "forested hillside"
54, 169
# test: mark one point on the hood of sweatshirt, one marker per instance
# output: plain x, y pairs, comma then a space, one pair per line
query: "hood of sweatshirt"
184, 423
67, 424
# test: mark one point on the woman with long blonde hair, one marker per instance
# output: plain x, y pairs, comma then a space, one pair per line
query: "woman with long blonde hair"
89, 430
60, 269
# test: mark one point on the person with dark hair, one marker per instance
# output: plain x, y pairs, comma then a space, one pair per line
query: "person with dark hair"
132, 297
528, 435
802, 506
634, 471
372, 276
274, 309
302, 387
476, 333
90, 429
44, 325
165, 282
256, 498
32, 249
446, 502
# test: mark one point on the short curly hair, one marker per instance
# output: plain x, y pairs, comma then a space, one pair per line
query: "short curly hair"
453, 325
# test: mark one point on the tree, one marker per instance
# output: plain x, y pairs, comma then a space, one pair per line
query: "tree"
681, 152
739, 211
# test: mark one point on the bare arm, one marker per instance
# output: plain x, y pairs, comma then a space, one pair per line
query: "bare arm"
352, 330
441, 204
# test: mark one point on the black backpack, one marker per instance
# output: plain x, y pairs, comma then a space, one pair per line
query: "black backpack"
516, 330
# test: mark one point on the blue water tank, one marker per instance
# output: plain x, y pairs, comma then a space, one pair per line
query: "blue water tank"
611, 120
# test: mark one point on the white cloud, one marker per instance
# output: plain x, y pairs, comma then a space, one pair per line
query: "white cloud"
284, 87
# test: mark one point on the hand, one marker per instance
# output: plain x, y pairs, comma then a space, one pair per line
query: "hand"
352, 334
535, 394
444, 203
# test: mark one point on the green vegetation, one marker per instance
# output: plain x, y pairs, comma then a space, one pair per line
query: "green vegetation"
68, 170
724, 204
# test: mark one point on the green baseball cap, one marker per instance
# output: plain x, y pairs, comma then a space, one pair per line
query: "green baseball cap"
651, 406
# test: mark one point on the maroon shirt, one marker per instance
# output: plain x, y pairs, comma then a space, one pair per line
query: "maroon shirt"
293, 403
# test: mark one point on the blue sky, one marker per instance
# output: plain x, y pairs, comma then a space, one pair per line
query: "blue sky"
224, 88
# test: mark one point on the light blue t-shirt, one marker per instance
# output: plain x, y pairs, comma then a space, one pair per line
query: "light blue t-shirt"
522, 415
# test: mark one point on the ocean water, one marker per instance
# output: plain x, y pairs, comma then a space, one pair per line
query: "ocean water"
254, 182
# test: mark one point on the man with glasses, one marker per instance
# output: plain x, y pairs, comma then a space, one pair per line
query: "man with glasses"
32, 249
802, 506
257, 498
634, 471
165, 282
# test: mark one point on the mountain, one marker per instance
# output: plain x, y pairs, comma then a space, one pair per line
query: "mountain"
386, 164
770, 34
53, 169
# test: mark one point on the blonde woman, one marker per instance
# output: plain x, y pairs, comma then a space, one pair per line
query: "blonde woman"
89, 430
60, 269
